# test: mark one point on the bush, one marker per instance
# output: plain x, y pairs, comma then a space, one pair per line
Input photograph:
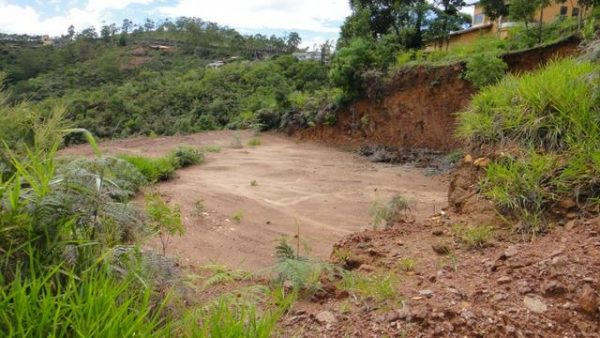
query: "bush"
390, 212
154, 169
187, 156
474, 237
485, 69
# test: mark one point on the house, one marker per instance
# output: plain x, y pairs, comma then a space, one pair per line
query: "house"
483, 25
45, 40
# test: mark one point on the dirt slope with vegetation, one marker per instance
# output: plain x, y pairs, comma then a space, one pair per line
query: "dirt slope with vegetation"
417, 106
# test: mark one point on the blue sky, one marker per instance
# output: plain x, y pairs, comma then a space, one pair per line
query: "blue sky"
315, 20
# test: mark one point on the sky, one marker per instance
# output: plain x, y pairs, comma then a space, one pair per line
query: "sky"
315, 20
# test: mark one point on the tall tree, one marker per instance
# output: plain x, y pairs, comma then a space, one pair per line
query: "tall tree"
494, 9
523, 10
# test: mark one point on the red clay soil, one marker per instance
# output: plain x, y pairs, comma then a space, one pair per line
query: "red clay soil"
545, 288
327, 192
417, 107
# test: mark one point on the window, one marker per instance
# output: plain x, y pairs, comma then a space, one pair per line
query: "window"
564, 10
478, 19
576, 11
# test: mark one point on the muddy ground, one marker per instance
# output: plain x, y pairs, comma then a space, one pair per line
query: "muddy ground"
324, 191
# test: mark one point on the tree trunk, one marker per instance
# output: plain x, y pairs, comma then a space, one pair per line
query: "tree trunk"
541, 24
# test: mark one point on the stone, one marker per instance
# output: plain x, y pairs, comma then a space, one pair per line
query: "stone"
504, 280
437, 232
482, 162
588, 300
567, 203
325, 317
572, 216
511, 251
468, 158
554, 288
535, 304
441, 248
366, 268
426, 293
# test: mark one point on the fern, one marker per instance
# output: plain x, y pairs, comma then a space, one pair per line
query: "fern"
284, 251
223, 275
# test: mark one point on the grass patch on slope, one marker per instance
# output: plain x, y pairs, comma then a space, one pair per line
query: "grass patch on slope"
547, 125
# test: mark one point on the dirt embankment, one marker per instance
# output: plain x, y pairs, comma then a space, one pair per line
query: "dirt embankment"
417, 107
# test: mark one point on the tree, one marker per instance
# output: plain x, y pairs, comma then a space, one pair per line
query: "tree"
71, 32
105, 33
494, 9
523, 10
293, 41
126, 26
149, 25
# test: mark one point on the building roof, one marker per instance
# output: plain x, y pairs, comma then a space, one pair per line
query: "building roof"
472, 29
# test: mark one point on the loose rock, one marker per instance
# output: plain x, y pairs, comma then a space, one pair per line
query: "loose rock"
534, 304
326, 317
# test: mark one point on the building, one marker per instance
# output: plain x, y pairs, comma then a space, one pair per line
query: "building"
482, 24
307, 56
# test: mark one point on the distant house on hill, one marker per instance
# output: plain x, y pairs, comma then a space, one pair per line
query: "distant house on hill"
216, 64
307, 56
482, 24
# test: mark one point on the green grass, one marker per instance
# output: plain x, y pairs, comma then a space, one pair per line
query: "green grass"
212, 148
254, 142
546, 124
381, 288
154, 169
407, 264
475, 237
238, 216
185, 156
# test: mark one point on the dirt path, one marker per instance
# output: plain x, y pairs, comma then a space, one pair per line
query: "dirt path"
327, 192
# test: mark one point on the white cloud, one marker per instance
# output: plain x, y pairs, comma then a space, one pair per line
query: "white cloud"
311, 15
26, 20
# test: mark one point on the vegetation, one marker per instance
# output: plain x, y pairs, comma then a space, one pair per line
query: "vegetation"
381, 288
475, 237
547, 124
187, 156
484, 70
163, 219
390, 212
154, 169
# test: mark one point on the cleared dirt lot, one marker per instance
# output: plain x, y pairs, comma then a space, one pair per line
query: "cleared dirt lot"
325, 191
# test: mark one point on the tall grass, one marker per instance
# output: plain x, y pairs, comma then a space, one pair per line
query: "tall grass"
547, 124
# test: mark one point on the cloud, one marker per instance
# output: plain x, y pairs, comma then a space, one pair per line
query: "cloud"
313, 15
24, 19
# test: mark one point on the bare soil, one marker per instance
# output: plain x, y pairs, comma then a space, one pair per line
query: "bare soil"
323, 191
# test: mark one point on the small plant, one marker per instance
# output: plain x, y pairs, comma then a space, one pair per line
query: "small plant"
236, 142
364, 121
253, 183
238, 216
186, 156
223, 275
390, 212
154, 169
163, 219
198, 208
407, 264
254, 142
474, 237
450, 260
212, 149
381, 288
342, 255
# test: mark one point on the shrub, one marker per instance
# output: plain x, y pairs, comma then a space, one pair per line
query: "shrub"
154, 169
380, 288
212, 149
186, 156
407, 264
254, 142
485, 69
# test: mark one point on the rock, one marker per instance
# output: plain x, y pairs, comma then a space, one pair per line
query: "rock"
433, 278
426, 293
510, 252
366, 268
554, 288
504, 280
441, 248
567, 203
468, 158
588, 300
404, 312
572, 216
558, 261
326, 317
534, 304
482, 162
437, 232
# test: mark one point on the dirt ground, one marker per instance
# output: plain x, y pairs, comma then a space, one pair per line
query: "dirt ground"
324, 191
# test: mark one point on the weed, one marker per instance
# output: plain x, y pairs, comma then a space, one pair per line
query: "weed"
390, 212
407, 264
236, 142
253, 183
485, 69
154, 169
450, 260
198, 208
380, 288
238, 216
223, 275
186, 156
212, 149
474, 237
342, 255
254, 142
164, 220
